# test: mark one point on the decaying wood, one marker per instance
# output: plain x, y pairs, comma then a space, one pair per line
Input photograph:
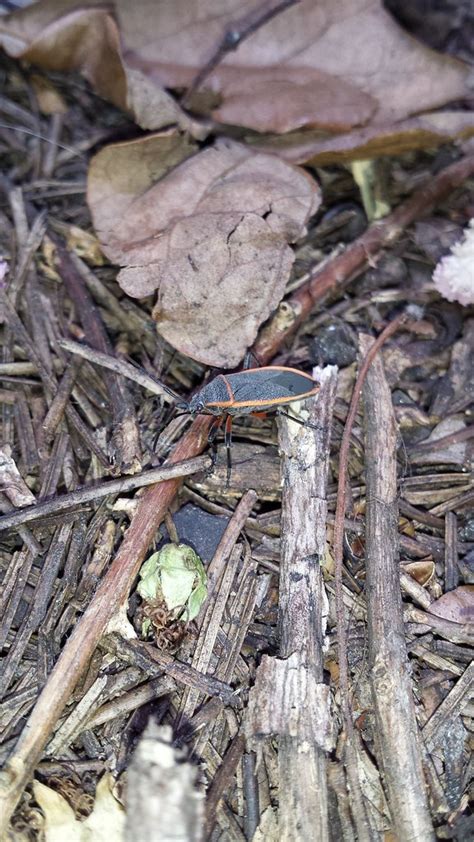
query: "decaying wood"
209, 630
223, 780
58, 405
163, 799
12, 483
240, 609
111, 594
253, 466
392, 694
117, 486
452, 704
57, 445
359, 807
152, 660
451, 575
289, 697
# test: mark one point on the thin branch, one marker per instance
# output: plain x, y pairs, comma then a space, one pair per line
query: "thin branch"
116, 486
338, 543
132, 372
234, 36
342, 268
398, 746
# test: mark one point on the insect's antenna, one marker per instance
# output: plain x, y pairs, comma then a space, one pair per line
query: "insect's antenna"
180, 414
128, 369
146, 374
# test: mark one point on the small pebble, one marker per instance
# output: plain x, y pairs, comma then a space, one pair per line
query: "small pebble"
333, 345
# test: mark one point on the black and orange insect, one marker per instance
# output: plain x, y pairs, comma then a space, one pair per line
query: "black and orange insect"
254, 391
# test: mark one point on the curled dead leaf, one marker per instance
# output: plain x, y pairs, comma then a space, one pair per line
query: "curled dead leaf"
421, 571
456, 606
427, 130
211, 236
345, 67
50, 101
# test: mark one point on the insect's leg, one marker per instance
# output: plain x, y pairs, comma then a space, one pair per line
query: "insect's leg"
157, 435
298, 420
212, 438
228, 444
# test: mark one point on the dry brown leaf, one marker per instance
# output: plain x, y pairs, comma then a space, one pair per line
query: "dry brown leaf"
212, 236
105, 823
269, 100
62, 35
120, 173
354, 41
330, 66
428, 130
50, 101
456, 606
421, 571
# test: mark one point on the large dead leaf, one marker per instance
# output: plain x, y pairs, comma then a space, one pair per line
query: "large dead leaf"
64, 35
428, 130
105, 824
211, 236
325, 65
456, 606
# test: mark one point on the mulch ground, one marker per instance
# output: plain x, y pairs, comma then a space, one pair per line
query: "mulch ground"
68, 424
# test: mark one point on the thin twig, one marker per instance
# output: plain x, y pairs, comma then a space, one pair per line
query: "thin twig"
338, 544
346, 266
116, 486
235, 34
398, 748
138, 375
149, 657
444, 441
223, 779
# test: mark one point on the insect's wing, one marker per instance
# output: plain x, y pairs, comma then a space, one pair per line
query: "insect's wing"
270, 386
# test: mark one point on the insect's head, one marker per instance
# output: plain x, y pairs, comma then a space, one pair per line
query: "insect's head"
183, 406
196, 404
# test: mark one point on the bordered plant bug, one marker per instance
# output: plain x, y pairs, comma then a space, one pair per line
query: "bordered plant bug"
253, 391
